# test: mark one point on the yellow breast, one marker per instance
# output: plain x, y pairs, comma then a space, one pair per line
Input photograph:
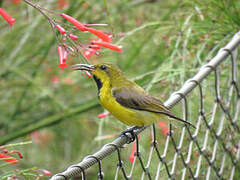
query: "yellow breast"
125, 115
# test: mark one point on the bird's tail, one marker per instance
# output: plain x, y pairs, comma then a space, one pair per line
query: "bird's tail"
177, 118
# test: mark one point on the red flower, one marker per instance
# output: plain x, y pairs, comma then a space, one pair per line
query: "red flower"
16, 1
100, 34
96, 47
62, 64
103, 115
9, 159
65, 56
75, 22
17, 152
41, 137
150, 137
87, 54
61, 29
108, 45
54, 80
73, 37
62, 3
60, 53
134, 148
164, 128
45, 172
7, 17
88, 74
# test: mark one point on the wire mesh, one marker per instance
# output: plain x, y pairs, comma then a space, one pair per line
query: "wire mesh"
211, 151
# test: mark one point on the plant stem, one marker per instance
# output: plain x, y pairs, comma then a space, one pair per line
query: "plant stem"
48, 121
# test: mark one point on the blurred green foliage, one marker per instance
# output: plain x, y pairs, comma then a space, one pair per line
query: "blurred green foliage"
164, 44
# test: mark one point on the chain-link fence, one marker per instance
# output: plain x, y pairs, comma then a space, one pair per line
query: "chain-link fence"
211, 151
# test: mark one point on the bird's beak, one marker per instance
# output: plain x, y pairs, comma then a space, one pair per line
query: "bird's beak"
83, 67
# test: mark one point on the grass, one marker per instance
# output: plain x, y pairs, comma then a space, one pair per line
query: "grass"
164, 44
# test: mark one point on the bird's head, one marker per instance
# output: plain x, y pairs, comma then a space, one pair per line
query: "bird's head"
103, 72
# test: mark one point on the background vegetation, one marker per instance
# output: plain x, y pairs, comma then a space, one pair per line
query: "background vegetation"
164, 44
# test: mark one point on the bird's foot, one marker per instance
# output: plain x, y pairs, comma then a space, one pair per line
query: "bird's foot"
130, 131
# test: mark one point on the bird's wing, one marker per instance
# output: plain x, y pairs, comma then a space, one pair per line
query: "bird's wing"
135, 97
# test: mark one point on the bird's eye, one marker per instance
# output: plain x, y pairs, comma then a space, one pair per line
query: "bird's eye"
103, 67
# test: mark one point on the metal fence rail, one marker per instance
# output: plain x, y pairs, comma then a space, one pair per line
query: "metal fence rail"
219, 149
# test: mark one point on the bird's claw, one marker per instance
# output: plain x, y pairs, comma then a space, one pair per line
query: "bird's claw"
130, 131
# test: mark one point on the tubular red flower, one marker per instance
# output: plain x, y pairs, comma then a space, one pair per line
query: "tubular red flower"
16, 1
100, 34
96, 47
62, 64
65, 56
35, 134
150, 137
88, 74
7, 17
73, 37
133, 151
60, 53
164, 128
62, 3
87, 54
75, 22
9, 159
45, 172
17, 152
61, 29
103, 115
108, 45
95, 25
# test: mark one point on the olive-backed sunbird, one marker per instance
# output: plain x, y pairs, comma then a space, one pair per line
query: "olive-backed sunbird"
124, 99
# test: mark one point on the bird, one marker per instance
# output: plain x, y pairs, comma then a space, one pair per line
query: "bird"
125, 100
